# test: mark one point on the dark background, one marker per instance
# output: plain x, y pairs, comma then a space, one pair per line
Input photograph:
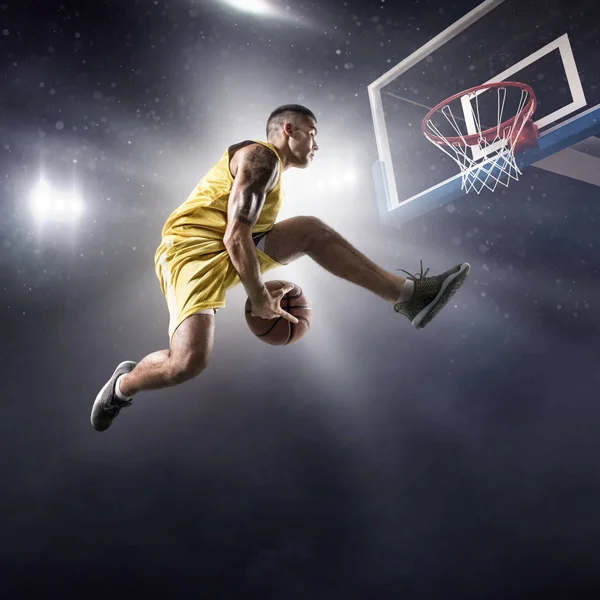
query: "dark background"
368, 461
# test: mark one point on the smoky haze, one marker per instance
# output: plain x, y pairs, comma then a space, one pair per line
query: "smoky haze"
368, 461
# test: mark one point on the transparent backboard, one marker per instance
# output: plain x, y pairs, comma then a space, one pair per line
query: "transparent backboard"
551, 45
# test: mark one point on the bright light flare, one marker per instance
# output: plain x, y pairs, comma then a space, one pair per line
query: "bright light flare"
40, 200
259, 7
75, 205
339, 180
350, 177
48, 204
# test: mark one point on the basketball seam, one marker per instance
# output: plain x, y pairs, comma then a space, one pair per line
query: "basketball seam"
275, 321
288, 297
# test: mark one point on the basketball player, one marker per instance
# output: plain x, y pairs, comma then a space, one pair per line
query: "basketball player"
225, 233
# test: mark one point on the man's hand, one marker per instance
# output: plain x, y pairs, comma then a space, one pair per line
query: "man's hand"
267, 305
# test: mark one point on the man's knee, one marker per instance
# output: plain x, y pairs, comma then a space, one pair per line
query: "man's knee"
295, 237
315, 230
310, 223
187, 366
312, 228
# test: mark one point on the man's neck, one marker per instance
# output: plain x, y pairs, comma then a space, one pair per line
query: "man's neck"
283, 152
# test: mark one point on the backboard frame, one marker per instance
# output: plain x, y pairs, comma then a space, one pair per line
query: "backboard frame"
392, 209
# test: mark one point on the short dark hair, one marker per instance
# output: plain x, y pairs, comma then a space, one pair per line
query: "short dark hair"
282, 113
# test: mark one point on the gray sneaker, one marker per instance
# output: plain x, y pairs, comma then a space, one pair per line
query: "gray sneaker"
431, 294
107, 406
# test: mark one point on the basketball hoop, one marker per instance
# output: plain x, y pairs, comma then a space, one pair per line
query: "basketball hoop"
486, 157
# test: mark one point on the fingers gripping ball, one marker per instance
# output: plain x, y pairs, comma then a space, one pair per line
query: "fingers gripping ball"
280, 331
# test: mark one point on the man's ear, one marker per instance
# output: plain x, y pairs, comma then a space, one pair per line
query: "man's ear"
288, 128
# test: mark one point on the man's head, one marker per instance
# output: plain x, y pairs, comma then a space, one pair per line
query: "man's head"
292, 129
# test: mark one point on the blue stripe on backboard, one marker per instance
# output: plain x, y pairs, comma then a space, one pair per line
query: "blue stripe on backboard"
556, 139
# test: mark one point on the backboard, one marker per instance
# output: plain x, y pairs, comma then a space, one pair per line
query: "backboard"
551, 45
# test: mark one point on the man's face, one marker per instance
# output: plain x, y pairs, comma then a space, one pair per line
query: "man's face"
302, 141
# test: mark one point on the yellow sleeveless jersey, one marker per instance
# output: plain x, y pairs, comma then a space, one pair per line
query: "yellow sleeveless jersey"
204, 213
192, 264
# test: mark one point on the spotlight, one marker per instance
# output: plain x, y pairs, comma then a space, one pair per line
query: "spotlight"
40, 201
255, 6
48, 204
350, 177
75, 205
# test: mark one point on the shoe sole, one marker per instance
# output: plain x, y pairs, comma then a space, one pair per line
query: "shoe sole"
448, 289
98, 421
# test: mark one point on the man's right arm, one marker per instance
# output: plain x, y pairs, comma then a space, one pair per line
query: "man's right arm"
257, 167
256, 173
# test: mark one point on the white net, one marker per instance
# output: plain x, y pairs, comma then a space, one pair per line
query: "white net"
486, 156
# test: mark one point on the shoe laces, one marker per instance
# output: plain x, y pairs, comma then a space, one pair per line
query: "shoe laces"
116, 407
420, 275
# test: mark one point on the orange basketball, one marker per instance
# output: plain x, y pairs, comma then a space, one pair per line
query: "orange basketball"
280, 331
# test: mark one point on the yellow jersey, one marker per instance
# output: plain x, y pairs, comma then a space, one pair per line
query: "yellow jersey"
192, 263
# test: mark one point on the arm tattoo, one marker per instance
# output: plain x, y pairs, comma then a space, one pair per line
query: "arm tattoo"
258, 168
242, 215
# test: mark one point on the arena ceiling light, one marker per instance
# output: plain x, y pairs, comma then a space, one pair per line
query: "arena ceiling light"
260, 7
49, 204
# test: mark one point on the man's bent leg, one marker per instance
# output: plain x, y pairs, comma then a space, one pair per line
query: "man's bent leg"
188, 356
295, 237
191, 346
419, 298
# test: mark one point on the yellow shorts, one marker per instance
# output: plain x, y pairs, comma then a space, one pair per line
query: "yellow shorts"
194, 281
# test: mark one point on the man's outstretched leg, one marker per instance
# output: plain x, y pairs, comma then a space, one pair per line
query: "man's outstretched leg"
419, 298
191, 347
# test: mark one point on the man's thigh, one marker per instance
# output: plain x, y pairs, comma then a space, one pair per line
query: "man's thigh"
288, 240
